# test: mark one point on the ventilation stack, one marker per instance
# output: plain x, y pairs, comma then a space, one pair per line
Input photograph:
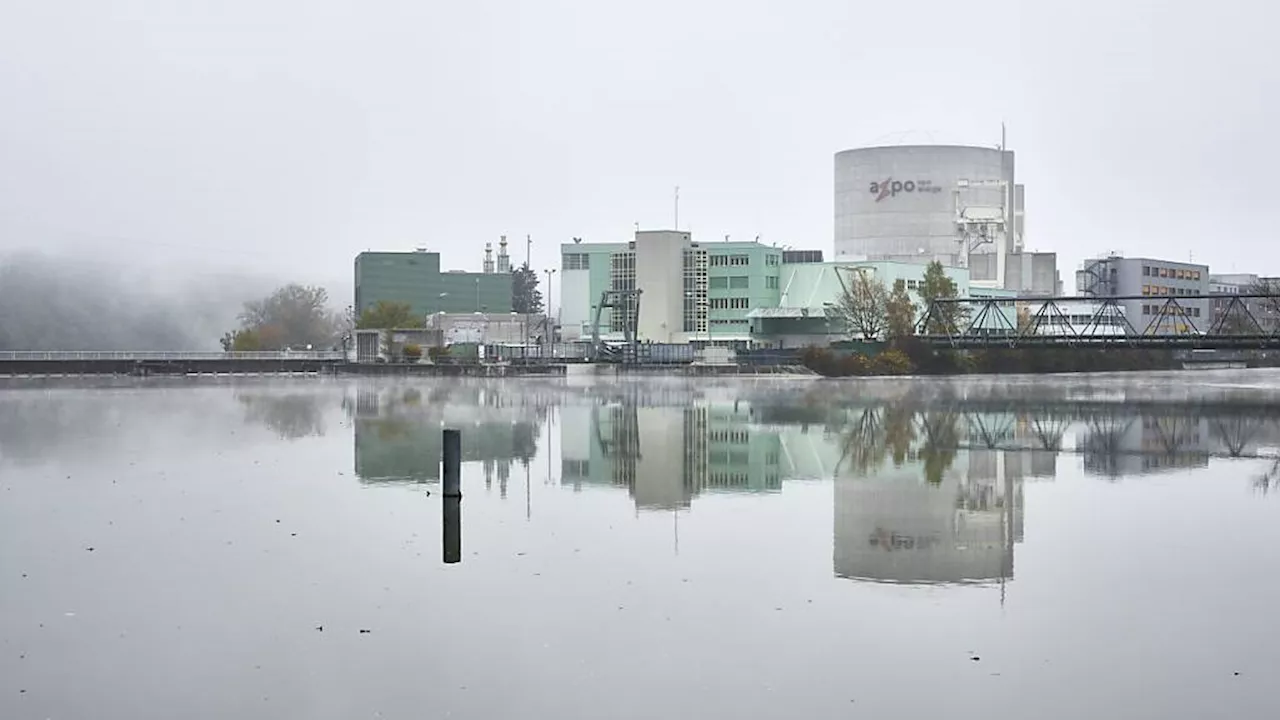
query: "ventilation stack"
504, 260
488, 259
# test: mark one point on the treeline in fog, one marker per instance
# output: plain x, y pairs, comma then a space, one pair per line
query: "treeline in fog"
66, 302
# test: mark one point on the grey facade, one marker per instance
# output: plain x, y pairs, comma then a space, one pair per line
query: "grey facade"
900, 202
1159, 285
1264, 311
1030, 274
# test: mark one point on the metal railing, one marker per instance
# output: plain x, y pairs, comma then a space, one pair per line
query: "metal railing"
56, 355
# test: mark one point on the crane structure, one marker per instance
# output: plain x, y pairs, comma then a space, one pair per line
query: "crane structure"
629, 302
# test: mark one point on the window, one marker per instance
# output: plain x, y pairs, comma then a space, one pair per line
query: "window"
1197, 275
1164, 272
718, 260
1146, 271
577, 261
739, 260
771, 259
1195, 312
911, 284
771, 283
739, 282
718, 283
1146, 309
1146, 289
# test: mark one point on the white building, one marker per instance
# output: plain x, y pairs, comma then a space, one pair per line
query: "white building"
958, 205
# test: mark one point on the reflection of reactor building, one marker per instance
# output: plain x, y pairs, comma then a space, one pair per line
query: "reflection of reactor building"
895, 526
666, 456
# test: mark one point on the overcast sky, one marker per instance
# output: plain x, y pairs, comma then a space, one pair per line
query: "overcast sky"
288, 135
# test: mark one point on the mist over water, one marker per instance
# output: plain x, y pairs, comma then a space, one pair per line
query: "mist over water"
78, 302
1087, 546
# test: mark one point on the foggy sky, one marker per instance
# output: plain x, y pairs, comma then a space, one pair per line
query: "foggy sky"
287, 136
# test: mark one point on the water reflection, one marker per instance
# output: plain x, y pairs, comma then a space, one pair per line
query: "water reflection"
926, 489
397, 431
137, 520
290, 415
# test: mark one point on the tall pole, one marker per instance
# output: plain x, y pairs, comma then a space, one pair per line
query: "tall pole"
547, 324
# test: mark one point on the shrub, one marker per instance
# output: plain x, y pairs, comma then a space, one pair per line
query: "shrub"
412, 352
891, 362
854, 364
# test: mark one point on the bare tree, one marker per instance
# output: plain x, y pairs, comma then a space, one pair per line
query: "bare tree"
1266, 310
863, 305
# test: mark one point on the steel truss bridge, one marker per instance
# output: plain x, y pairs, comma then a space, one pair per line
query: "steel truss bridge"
972, 323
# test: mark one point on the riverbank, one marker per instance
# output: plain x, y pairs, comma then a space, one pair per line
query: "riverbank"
914, 358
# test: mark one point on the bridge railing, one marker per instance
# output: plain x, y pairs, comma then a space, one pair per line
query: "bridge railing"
62, 355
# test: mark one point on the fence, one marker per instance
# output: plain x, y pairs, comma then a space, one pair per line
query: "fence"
177, 356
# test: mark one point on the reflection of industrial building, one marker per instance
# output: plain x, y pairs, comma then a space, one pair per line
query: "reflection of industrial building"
398, 437
666, 456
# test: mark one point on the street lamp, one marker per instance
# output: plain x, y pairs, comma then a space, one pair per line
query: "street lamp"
547, 324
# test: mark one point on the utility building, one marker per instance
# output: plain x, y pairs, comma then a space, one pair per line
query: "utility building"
415, 278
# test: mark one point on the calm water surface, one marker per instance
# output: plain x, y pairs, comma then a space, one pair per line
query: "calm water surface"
1093, 547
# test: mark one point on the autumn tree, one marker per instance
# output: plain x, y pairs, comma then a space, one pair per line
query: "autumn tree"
1027, 323
900, 312
862, 305
293, 315
946, 317
241, 341
525, 296
388, 315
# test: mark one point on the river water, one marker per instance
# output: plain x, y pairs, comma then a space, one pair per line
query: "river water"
1100, 546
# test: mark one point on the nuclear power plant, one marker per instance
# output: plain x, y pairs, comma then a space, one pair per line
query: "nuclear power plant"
959, 205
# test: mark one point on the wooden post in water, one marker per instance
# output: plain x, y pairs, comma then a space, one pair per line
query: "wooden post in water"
452, 455
452, 530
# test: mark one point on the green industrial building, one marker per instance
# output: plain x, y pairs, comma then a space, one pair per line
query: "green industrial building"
415, 278
691, 291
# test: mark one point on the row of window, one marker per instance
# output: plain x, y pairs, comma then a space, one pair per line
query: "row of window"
737, 437
734, 303
1082, 320
1166, 290
734, 457
1167, 272
1170, 310
737, 282
730, 322
730, 260
576, 261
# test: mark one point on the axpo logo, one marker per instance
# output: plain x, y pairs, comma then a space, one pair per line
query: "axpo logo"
890, 188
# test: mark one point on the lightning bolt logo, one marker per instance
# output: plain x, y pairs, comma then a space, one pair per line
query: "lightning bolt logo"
884, 189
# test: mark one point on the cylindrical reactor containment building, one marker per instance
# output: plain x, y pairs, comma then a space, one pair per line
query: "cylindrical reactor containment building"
899, 202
